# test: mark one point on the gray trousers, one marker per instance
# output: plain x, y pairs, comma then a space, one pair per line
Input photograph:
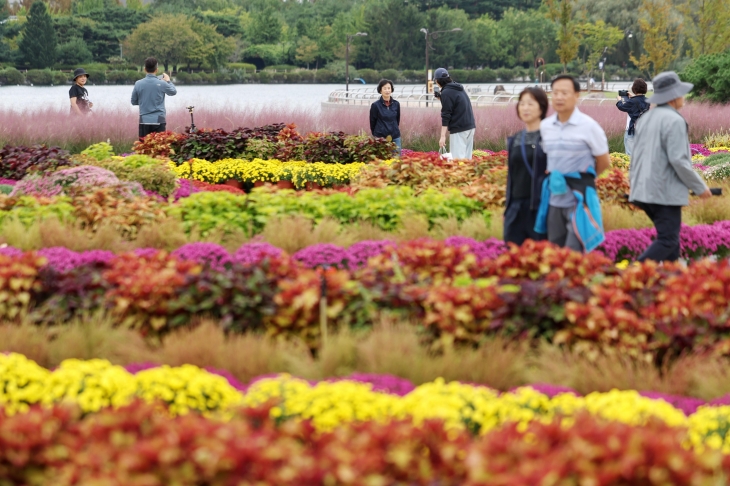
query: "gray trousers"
628, 143
560, 228
461, 144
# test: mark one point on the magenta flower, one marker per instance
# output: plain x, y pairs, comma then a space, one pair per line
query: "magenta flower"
253, 253
205, 253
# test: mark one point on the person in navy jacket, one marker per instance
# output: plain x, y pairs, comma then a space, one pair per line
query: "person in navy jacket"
385, 114
526, 166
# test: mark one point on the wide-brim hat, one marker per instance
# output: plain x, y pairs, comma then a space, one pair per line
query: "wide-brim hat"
668, 87
80, 72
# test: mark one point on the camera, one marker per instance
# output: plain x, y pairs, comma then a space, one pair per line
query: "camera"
437, 92
624, 93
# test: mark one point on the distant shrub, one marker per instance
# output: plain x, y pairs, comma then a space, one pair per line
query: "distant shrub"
710, 76
40, 77
391, 74
10, 76
369, 75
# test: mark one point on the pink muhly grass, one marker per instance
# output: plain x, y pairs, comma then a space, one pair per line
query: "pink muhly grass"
494, 124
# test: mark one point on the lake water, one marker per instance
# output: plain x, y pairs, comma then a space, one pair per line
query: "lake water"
237, 96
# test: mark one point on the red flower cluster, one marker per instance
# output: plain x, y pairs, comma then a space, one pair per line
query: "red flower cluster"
139, 445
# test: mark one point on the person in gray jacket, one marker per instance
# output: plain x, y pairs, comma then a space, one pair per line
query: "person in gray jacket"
149, 93
661, 166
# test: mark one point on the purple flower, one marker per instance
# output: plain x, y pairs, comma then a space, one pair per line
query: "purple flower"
362, 251
688, 405
205, 253
96, 256
323, 254
60, 258
483, 250
550, 390
185, 189
383, 383
8, 182
253, 253
699, 149
10, 251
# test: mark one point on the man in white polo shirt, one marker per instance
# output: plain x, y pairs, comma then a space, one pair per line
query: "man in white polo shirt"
577, 152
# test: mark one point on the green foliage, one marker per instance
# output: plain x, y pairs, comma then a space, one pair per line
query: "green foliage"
38, 45
73, 52
9, 76
152, 174
266, 27
28, 210
99, 151
386, 208
717, 159
710, 75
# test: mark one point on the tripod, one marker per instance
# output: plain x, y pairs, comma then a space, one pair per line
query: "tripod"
192, 121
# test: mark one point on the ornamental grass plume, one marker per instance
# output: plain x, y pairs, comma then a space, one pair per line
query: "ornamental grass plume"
598, 372
245, 356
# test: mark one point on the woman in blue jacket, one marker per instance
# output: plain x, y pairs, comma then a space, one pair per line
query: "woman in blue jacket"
526, 166
385, 114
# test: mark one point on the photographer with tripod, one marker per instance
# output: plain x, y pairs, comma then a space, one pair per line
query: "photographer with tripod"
634, 105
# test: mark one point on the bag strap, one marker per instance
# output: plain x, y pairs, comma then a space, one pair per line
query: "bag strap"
524, 154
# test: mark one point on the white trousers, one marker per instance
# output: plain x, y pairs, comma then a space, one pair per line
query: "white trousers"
461, 144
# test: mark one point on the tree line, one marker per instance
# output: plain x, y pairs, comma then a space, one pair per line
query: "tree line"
646, 36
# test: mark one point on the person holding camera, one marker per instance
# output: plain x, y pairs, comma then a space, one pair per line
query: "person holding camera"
385, 115
149, 93
79, 96
526, 167
634, 104
456, 116
661, 170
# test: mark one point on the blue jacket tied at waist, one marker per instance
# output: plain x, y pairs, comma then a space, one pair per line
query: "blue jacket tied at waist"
587, 220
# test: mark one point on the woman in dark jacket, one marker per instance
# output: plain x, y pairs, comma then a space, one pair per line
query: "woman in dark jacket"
385, 114
634, 106
526, 166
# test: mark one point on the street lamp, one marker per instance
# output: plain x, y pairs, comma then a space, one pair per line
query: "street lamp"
602, 65
347, 58
433, 35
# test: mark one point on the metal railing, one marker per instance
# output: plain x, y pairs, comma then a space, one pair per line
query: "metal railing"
480, 95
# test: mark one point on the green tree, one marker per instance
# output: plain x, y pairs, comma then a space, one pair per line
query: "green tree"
710, 75
265, 27
562, 13
168, 37
476, 8
74, 52
38, 45
598, 36
306, 51
661, 33
490, 38
394, 40
4, 48
209, 46
708, 26
525, 35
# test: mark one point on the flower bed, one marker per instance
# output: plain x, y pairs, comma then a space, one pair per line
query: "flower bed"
96, 384
59, 447
645, 310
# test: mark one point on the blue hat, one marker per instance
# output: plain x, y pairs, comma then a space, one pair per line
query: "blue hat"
441, 73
